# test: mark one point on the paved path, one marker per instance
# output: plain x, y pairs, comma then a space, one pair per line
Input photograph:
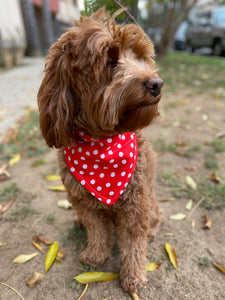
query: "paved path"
18, 90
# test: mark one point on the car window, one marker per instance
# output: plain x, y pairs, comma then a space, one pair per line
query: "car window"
181, 30
219, 17
203, 18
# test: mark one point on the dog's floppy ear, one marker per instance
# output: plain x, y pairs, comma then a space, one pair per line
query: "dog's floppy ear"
57, 99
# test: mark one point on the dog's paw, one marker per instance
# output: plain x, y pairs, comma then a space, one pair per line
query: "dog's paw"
89, 257
132, 283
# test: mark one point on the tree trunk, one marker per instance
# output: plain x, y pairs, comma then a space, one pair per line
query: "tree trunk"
32, 34
48, 28
172, 14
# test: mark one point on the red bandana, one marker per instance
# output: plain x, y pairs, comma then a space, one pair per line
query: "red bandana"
104, 166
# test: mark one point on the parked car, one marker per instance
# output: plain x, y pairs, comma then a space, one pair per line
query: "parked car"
180, 37
207, 29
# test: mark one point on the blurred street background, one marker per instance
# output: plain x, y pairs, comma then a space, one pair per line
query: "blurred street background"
29, 27
19, 86
27, 30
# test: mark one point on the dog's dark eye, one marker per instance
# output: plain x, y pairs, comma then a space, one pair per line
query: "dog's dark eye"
111, 63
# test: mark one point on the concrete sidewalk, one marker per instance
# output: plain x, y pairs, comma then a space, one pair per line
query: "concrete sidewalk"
18, 90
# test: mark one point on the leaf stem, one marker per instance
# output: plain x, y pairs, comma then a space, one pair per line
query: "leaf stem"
194, 208
84, 291
14, 290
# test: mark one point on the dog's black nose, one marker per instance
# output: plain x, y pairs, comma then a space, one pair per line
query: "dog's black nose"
154, 86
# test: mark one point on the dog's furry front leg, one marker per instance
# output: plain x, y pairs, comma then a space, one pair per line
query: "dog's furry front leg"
132, 230
99, 231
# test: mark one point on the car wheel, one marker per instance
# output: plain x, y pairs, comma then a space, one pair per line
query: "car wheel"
217, 48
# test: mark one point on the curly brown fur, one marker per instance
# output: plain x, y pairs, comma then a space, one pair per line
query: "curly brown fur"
94, 82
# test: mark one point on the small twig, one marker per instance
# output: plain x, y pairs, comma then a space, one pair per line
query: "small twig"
126, 12
13, 271
194, 208
84, 291
10, 287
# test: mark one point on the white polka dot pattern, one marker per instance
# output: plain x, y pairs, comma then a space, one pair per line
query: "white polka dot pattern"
104, 166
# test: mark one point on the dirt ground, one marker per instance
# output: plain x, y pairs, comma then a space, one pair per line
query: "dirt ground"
186, 120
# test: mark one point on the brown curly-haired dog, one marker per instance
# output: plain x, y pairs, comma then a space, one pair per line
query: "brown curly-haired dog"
101, 82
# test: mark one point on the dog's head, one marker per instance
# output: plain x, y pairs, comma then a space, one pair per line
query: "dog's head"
100, 78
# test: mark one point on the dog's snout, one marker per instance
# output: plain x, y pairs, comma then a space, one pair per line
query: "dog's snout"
154, 86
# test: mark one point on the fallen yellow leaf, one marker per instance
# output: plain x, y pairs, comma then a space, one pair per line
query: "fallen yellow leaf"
167, 199
15, 159
188, 206
190, 168
60, 254
215, 178
178, 217
43, 240
153, 266
182, 102
220, 135
7, 206
58, 261
20, 259
36, 244
205, 117
134, 296
195, 207
191, 183
37, 277
4, 174
64, 204
212, 125
172, 255
52, 177
208, 223
51, 255
167, 234
58, 188
96, 276
38, 163
221, 268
